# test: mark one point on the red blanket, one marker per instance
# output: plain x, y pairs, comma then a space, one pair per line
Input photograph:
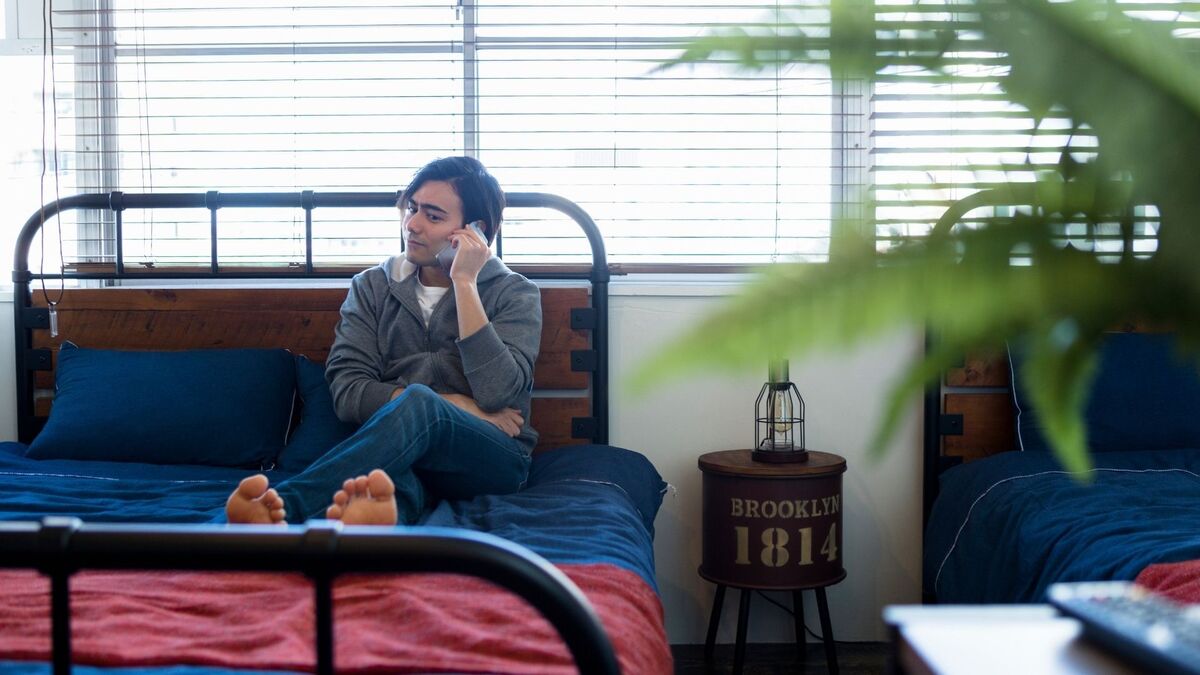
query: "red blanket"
1179, 581
382, 624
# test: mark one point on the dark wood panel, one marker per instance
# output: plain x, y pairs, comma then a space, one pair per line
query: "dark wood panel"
198, 298
987, 425
171, 328
552, 418
553, 367
980, 370
302, 320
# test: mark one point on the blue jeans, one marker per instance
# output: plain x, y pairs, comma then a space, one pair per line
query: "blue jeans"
424, 443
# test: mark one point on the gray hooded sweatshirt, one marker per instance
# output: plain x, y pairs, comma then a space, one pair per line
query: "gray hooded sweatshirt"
382, 342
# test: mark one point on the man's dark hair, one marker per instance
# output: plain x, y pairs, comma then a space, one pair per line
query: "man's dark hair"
482, 198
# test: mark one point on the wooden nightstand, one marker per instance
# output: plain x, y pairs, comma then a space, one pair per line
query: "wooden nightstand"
772, 527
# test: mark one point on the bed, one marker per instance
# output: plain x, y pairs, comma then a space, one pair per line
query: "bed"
109, 555
1003, 520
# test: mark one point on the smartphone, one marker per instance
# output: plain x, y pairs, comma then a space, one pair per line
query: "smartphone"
445, 257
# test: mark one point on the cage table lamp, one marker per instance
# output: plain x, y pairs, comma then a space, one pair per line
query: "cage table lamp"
779, 419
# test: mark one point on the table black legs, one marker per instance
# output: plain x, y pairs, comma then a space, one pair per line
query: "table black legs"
739, 650
827, 631
714, 620
798, 619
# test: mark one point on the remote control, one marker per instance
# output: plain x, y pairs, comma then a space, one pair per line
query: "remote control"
1151, 631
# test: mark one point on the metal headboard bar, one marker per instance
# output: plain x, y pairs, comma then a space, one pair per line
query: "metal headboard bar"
118, 202
321, 550
307, 200
1017, 193
934, 464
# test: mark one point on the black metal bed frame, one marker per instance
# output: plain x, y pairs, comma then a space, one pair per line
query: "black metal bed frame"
936, 424
59, 547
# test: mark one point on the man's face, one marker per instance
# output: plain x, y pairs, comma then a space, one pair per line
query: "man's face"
431, 214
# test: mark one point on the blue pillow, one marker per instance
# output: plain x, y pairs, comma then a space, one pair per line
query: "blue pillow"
319, 428
1145, 396
221, 407
628, 470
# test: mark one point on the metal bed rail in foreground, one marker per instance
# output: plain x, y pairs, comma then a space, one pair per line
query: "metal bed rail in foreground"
27, 318
322, 550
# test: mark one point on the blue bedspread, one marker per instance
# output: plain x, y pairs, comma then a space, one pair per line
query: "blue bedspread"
1004, 528
582, 504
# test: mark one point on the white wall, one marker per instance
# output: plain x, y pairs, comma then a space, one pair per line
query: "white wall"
677, 422
844, 395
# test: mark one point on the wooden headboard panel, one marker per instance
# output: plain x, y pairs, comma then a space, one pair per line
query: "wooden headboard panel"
299, 319
978, 417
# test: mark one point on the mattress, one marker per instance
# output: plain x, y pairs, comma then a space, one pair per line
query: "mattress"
1002, 529
588, 509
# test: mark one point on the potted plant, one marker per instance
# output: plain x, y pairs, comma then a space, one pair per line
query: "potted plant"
1130, 82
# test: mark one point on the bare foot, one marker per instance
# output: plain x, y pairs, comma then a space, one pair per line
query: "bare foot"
365, 500
253, 503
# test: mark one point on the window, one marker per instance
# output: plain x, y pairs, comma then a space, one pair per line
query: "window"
700, 164
704, 164
938, 138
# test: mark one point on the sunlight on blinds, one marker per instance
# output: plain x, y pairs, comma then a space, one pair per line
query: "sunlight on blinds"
939, 137
699, 164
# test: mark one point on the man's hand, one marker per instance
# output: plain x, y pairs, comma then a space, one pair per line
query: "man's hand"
509, 420
471, 253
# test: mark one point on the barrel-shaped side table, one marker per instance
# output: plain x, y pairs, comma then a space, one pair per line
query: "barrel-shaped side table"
772, 527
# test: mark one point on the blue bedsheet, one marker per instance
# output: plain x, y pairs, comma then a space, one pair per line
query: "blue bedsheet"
1004, 528
582, 504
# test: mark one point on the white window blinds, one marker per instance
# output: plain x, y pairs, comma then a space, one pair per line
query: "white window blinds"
939, 137
703, 164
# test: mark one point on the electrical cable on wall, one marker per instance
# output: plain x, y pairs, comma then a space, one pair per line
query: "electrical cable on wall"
48, 53
792, 614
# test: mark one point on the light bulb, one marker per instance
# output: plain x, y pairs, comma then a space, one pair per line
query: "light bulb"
782, 412
779, 420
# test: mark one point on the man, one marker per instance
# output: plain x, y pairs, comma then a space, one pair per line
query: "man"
435, 363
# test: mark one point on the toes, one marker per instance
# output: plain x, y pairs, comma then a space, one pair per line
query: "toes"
252, 502
380, 484
348, 486
334, 512
278, 515
360, 487
253, 487
341, 498
272, 500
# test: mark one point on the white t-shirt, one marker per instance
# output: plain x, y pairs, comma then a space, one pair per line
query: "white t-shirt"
428, 296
